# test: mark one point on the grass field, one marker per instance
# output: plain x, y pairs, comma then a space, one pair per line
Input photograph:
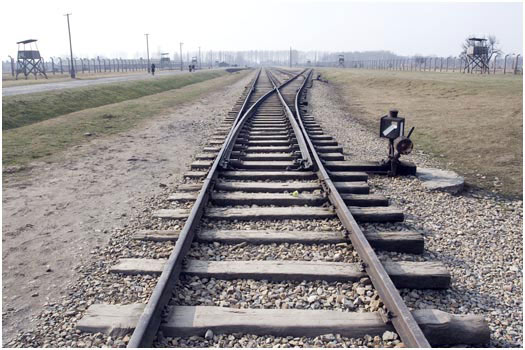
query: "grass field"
472, 123
26, 109
50, 136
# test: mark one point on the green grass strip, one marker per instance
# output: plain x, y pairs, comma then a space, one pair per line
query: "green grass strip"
22, 110
48, 139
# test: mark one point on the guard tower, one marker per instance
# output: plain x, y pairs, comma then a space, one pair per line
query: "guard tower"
342, 61
29, 60
165, 59
477, 56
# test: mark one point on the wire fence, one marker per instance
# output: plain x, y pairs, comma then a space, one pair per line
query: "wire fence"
501, 64
58, 65
508, 64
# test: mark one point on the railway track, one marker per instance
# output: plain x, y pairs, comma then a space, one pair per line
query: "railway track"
271, 177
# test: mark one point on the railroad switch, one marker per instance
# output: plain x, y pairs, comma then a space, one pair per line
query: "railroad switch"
392, 127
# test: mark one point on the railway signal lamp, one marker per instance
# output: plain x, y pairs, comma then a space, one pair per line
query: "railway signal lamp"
392, 127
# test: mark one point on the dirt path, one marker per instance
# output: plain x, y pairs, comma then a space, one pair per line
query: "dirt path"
54, 217
29, 89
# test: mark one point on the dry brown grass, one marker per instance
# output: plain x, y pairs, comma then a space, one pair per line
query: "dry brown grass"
472, 123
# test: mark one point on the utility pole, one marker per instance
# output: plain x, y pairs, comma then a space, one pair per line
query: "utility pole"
290, 57
147, 51
72, 70
200, 58
181, 56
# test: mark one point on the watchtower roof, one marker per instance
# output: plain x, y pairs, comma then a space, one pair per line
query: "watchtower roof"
477, 39
26, 41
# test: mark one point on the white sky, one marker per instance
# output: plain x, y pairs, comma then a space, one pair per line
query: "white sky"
116, 28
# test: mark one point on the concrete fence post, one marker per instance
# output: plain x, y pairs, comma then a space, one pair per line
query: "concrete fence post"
11, 61
516, 64
505, 64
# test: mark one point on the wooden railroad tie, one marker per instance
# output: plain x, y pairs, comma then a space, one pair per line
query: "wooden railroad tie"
439, 327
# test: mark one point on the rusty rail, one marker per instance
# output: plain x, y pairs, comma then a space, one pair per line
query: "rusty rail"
235, 131
306, 160
398, 312
149, 322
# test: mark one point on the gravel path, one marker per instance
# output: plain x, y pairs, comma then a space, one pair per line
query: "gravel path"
477, 234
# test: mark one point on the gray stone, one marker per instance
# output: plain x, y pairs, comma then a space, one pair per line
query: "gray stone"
440, 180
389, 336
208, 335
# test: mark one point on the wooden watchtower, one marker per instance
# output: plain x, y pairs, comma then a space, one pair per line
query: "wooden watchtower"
29, 60
342, 60
477, 56
165, 59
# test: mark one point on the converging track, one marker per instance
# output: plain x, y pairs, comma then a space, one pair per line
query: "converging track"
270, 165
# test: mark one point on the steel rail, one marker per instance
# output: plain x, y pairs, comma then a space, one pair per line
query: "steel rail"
149, 321
398, 312
235, 131
306, 160
243, 107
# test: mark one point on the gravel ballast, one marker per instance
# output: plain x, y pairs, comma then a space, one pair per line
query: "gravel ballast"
477, 235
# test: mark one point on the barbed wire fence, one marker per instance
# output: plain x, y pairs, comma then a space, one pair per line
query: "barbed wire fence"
500, 64
208, 59
58, 65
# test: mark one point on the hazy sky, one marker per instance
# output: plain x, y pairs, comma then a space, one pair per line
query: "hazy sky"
116, 28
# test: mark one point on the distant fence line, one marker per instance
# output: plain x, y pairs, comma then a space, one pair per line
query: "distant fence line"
60, 65
502, 64
505, 64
